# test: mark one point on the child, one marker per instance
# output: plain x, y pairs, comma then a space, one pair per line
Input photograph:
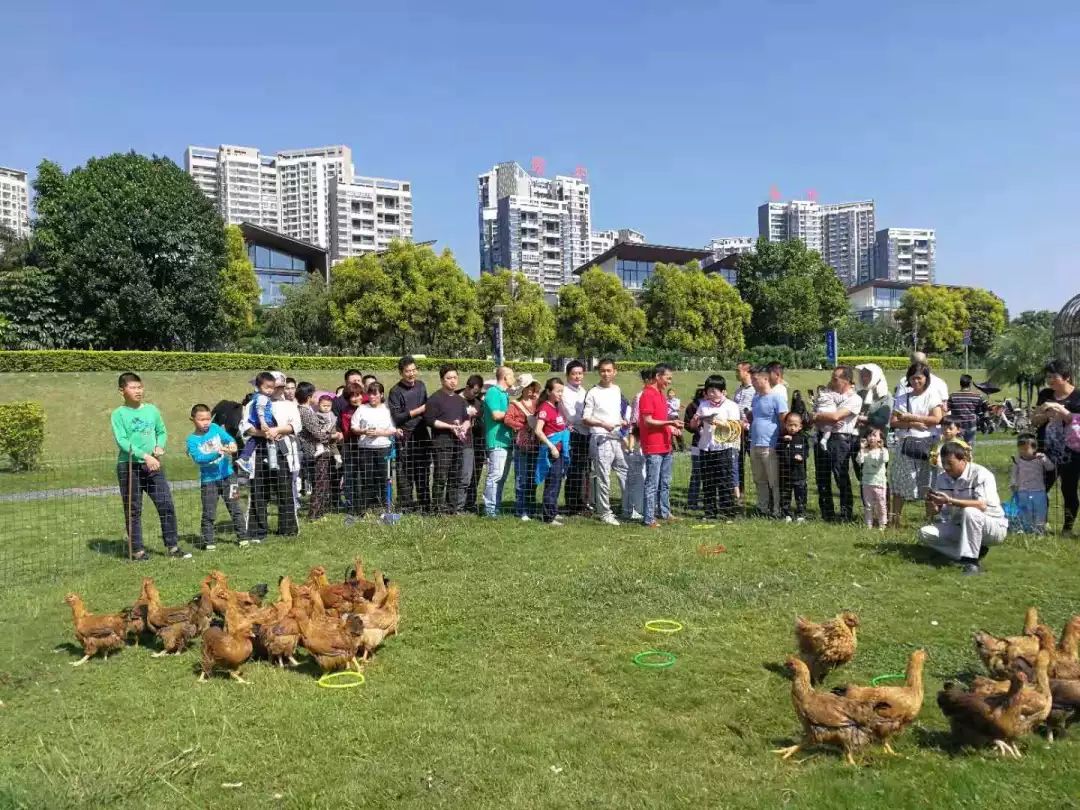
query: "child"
326, 417
717, 446
1028, 484
211, 447
673, 406
140, 434
873, 457
261, 417
791, 452
824, 402
951, 431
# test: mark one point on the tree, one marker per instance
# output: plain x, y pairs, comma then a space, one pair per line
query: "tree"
936, 315
598, 316
1019, 350
30, 309
876, 337
986, 317
139, 249
793, 294
690, 311
1043, 318
303, 317
239, 285
528, 321
364, 306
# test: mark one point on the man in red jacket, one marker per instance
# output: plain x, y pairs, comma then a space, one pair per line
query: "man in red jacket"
656, 430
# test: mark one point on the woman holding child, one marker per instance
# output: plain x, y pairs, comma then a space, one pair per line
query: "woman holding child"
916, 414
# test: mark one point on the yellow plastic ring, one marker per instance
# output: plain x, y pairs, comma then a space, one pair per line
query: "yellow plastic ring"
327, 680
663, 626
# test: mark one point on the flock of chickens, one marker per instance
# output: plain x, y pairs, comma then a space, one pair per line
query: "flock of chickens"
1035, 682
339, 624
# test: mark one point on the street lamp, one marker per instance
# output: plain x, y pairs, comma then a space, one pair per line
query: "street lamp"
497, 335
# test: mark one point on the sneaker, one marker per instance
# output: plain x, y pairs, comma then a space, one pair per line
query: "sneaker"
244, 465
177, 553
970, 570
635, 516
787, 519
800, 519
350, 520
555, 522
142, 555
653, 525
243, 543
609, 520
255, 541
525, 518
205, 546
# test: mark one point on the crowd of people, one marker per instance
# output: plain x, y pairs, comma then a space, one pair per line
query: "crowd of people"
451, 451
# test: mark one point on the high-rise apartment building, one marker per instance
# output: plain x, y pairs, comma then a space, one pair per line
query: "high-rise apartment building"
368, 214
847, 239
731, 246
904, 254
843, 233
602, 241
534, 225
292, 192
14, 201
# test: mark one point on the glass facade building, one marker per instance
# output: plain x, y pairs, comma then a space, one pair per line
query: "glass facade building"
280, 261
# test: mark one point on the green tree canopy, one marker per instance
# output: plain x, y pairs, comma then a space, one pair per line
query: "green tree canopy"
239, 285
1022, 349
936, 315
598, 316
528, 321
986, 317
876, 337
364, 305
688, 310
793, 294
140, 251
303, 319
1035, 317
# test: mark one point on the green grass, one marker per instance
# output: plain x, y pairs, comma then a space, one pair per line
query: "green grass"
511, 683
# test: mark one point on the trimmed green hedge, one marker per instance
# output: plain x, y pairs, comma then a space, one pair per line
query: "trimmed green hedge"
22, 433
60, 360
900, 363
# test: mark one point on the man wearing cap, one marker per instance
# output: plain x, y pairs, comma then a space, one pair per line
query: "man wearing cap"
498, 438
274, 484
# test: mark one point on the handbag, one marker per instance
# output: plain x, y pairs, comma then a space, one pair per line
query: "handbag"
917, 447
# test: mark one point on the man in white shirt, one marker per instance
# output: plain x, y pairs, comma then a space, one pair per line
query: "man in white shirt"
840, 420
276, 484
936, 384
572, 408
744, 398
972, 518
602, 414
776, 379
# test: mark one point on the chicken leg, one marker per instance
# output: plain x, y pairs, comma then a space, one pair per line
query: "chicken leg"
1007, 750
159, 654
790, 751
81, 661
237, 677
293, 662
888, 749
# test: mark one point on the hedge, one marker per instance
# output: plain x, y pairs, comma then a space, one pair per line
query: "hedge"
61, 360
891, 363
22, 433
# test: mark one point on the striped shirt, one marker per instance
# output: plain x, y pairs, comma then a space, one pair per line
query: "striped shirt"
964, 407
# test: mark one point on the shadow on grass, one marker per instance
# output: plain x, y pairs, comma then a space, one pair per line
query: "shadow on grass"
937, 740
913, 552
109, 546
777, 668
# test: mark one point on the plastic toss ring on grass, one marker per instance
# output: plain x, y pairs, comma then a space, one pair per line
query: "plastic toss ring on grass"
894, 676
654, 659
662, 626
329, 680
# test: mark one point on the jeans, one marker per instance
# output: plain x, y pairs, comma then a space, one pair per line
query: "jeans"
577, 472
372, 478
210, 491
525, 482
968, 435
633, 499
552, 485
498, 471
473, 461
134, 481
693, 491
657, 487
1034, 506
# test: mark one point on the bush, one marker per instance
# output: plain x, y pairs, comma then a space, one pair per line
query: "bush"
22, 433
85, 360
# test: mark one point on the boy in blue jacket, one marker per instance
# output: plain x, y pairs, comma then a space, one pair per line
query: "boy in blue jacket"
210, 446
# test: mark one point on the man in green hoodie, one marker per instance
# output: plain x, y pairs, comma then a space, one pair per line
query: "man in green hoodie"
140, 434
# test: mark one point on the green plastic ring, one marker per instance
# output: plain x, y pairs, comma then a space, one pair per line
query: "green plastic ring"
326, 681
894, 676
663, 626
666, 659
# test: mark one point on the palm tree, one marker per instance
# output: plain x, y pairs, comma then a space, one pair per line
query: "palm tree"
1019, 353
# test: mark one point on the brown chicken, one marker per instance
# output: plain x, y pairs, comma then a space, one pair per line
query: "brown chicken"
227, 648
381, 616
895, 707
97, 633
980, 720
342, 597
279, 636
1065, 705
1036, 701
176, 626
827, 719
1069, 645
332, 642
1061, 666
999, 654
828, 645
246, 602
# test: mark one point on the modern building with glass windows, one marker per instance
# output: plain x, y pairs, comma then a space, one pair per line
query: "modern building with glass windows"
633, 263
281, 261
877, 300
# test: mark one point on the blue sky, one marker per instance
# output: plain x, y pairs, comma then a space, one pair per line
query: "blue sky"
960, 116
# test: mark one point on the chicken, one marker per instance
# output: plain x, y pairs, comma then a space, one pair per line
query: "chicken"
999, 654
979, 720
136, 617
245, 602
278, 636
1036, 701
176, 626
102, 632
895, 707
341, 597
1069, 645
1065, 704
1061, 666
227, 648
827, 719
332, 643
825, 646
380, 617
